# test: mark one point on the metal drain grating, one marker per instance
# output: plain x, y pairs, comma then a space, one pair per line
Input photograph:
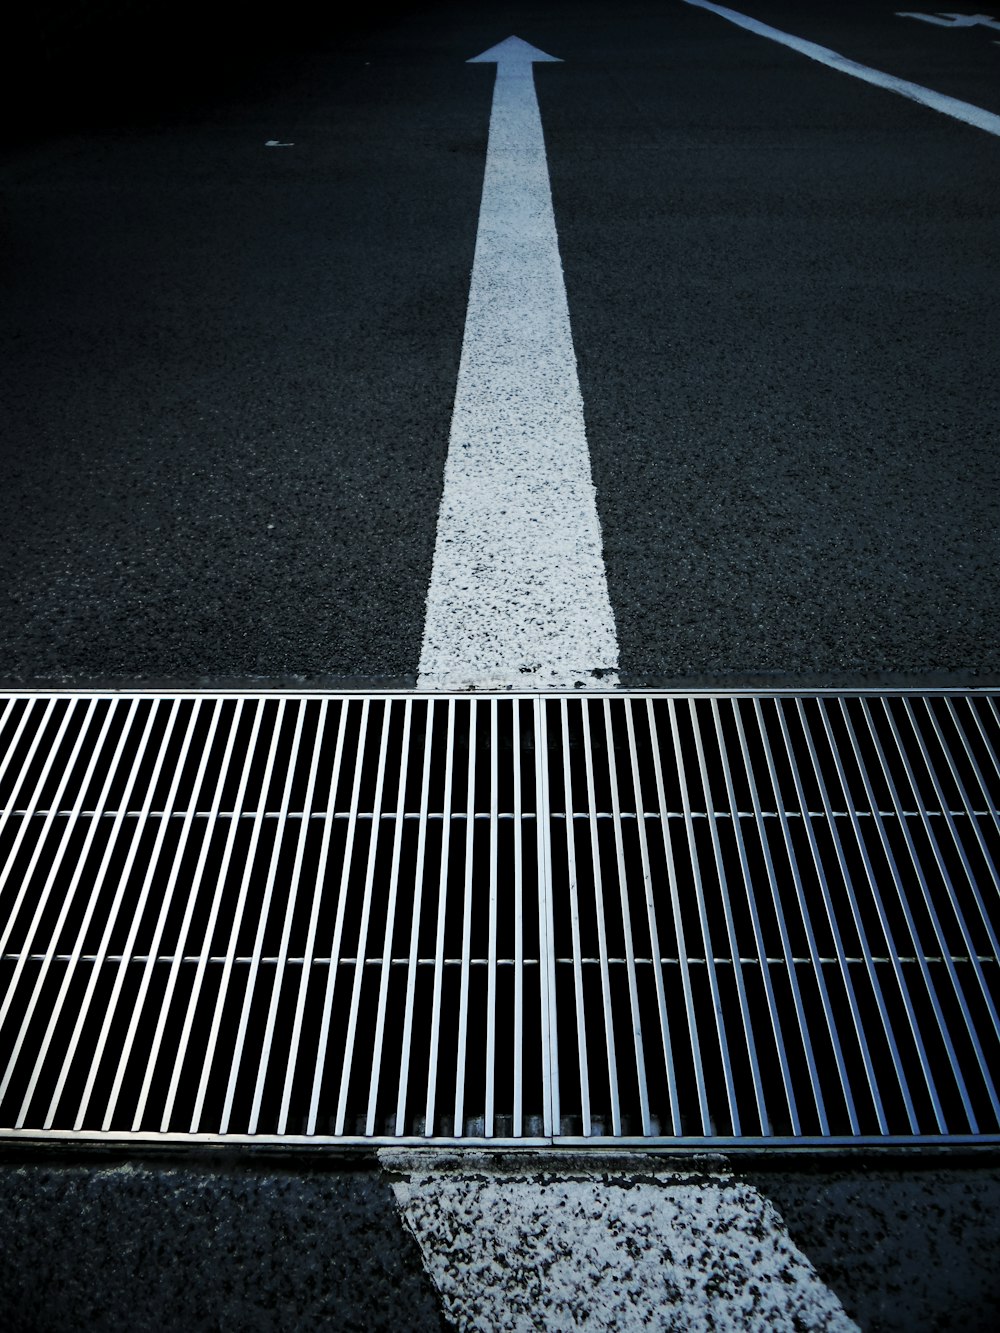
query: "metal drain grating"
706, 920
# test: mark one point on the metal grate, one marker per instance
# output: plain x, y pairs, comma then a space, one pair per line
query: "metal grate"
732, 919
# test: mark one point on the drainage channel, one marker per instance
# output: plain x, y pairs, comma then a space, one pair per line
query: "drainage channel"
708, 920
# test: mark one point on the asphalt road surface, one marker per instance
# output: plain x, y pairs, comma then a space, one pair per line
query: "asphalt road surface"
229, 368
234, 271
201, 1244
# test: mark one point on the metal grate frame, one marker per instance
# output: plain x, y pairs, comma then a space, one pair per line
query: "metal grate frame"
687, 920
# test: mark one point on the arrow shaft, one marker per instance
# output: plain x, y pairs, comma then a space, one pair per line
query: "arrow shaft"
518, 591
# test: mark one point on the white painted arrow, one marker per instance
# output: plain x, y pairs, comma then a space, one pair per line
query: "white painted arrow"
518, 594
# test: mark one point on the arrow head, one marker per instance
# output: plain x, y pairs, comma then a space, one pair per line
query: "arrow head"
512, 52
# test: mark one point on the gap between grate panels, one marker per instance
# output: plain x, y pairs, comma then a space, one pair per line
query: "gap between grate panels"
735, 919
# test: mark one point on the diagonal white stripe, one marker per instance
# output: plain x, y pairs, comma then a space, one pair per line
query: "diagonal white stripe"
948, 106
564, 1242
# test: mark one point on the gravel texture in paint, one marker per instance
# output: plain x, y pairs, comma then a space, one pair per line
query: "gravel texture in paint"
526, 1244
518, 594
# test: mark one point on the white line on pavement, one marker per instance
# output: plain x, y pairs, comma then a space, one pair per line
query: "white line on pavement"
570, 1242
948, 106
518, 594
951, 20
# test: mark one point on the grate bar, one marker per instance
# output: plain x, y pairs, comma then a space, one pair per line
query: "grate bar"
548, 1003
491, 981
801, 1021
331, 980
229, 958
708, 954
654, 933
103, 955
959, 846
967, 809
152, 875
199, 977
347, 960
26, 769
373, 847
291, 903
574, 908
519, 960
185, 929
50, 881
857, 922
806, 918
700, 920
679, 932
390, 921
312, 930
435, 1029
95, 892
601, 916
603, 816
872, 887
463, 1001
918, 870
414, 959
633, 990
61, 847
750, 898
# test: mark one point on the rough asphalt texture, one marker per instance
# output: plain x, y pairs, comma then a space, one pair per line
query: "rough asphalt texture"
903, 1248
123, 1245
227, 378
135, 1246
228, 369
783, 293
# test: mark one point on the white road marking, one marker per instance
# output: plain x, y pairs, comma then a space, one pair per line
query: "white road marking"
562, 1243
518, 594
951, 20
948, 106
275, 143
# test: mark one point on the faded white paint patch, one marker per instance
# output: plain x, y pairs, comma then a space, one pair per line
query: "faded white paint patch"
952, 20
518, 594
544, 1243
948, 106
